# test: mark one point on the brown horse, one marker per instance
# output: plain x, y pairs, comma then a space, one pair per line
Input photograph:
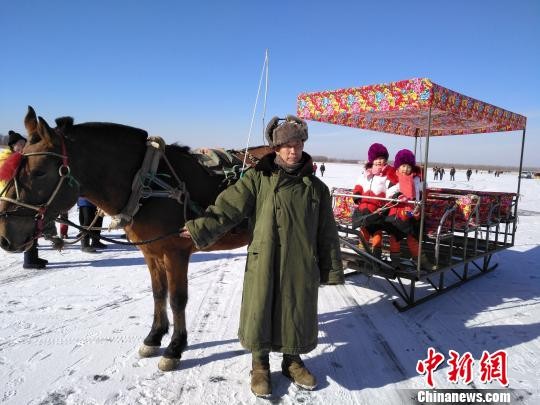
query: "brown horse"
99, 161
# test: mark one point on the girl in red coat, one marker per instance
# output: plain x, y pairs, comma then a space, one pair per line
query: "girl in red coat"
404, 217
369, 213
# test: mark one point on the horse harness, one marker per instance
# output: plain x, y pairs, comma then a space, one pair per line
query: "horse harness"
145, 178
215, 162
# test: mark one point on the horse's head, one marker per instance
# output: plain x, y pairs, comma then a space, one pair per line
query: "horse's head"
39, 187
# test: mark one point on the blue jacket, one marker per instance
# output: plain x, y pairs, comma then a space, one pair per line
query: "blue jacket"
83, 202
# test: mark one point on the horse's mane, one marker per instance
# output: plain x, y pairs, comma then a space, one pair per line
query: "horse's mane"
65, 125
181, 148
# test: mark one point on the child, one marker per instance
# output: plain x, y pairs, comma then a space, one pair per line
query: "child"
378, 176
404, 217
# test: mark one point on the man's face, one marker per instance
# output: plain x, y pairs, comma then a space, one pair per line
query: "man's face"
19, 145
290, 152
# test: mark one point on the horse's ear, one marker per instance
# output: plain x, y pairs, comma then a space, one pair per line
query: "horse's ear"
45, 132
30, 121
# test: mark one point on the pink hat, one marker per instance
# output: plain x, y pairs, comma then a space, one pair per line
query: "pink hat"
404, 156
377, 150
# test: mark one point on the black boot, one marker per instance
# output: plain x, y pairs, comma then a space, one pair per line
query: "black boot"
96, 244
31, 259
85, 245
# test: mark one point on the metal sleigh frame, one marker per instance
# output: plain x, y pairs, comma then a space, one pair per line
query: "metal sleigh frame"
461, 244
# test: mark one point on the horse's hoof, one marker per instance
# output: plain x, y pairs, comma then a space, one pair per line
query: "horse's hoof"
166, 364
149, 351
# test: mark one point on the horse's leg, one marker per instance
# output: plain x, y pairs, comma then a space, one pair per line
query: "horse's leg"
160, 324
176, 263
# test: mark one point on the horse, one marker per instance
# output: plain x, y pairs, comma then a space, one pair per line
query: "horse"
98, 161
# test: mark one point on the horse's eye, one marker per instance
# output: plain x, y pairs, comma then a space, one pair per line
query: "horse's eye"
37, 173
34, 138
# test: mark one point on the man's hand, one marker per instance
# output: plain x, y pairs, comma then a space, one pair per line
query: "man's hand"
184, 233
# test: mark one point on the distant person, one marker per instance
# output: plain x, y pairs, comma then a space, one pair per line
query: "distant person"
322, 169
469, 172
453, 174
90, 240
314, 168
441, 173
435, 173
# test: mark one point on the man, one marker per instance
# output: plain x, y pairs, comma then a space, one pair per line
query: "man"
294, 247
87, 215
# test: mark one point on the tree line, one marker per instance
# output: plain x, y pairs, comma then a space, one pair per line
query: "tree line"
464, 166
4, 139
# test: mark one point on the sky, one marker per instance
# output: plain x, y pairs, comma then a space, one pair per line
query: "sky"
189, 71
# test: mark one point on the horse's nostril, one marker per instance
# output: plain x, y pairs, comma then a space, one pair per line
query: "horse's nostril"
4, 243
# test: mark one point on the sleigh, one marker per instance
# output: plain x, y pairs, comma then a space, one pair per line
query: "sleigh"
460, 230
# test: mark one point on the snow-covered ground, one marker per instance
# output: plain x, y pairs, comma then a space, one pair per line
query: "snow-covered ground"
70, 333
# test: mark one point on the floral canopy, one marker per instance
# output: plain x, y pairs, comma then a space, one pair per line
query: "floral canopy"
402, 108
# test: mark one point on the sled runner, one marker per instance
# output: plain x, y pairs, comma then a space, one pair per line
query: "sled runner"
460, 230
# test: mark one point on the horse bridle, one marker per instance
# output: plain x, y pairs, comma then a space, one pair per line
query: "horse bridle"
64, 173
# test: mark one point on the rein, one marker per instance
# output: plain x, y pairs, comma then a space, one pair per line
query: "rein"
84, 229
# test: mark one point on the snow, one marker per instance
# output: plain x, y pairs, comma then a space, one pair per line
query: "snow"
70, 333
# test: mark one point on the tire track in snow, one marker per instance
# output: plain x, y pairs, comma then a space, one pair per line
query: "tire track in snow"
214, 315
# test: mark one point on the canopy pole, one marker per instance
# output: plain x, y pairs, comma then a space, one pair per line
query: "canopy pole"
265, 96
519, 172
424, 196
264, 67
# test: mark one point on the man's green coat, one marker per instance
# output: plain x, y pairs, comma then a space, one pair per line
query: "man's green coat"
294, 247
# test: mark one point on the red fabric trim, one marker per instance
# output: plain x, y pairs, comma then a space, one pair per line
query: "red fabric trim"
10, 166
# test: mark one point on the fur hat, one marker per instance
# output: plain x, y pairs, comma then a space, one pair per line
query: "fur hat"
13, 138
290, 129
404, 156
377, 150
